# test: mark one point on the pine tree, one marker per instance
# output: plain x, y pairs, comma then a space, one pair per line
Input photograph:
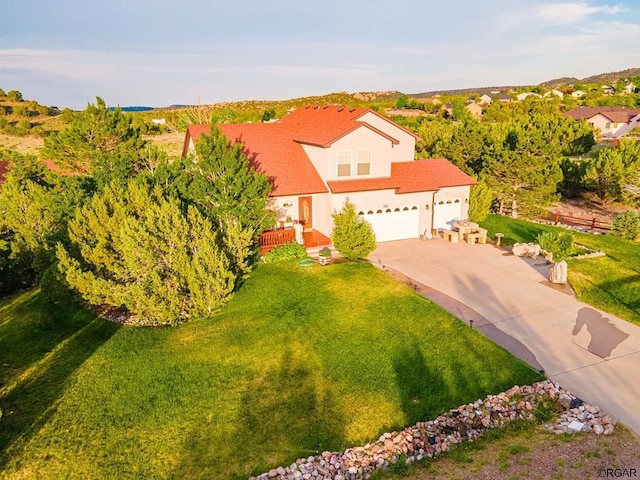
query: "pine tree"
352, 236
524, 171
161, 260
228, 189
480, 201
100, 142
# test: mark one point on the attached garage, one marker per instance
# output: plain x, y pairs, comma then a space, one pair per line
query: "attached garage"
445, 212
394, 223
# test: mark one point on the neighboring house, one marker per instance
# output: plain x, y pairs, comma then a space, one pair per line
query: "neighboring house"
608, 89
317, 157
555, 92
613, 122
501, 97
629, 88
485, 99
474, 109
522, 96
578, 94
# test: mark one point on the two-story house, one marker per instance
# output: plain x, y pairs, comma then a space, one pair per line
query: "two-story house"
613, 122
317, 157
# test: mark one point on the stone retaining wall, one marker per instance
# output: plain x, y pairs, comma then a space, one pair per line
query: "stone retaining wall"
428, 439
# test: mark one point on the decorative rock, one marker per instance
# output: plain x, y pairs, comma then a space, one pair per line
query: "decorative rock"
526, 250
428, 439
575, 426
558, 273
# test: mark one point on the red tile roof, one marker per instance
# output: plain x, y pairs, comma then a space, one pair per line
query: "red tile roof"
324, 125
409, 177
276, 149
271, 149
615, 114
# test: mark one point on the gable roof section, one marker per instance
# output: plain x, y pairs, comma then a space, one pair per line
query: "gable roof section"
324, 125
615, 114
409, 177
271, 150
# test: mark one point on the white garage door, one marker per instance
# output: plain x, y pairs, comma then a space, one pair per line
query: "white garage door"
445, 212
394, 223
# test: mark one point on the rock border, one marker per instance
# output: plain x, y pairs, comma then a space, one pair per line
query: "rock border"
465, 423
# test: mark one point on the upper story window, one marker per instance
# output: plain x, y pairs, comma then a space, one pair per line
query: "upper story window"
364, 162
344, 163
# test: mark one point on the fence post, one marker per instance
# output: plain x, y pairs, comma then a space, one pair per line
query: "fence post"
593, 224
556, 219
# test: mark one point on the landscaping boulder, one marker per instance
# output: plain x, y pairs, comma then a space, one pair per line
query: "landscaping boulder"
558, 272
526, 250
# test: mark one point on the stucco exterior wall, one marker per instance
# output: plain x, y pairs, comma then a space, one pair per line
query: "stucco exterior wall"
610, 129
404, 152
284, 207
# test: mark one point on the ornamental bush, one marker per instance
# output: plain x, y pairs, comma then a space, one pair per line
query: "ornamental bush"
626, 225
288, 251
352, 236
560, 244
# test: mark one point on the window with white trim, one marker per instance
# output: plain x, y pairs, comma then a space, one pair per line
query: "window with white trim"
364, 162
344, 163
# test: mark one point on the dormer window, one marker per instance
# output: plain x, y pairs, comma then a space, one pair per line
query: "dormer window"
344, 163
364, 162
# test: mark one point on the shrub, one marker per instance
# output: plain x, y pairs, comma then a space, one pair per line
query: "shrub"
480, 201
626, 225
352, 236
560, 244
288, 251
14, 95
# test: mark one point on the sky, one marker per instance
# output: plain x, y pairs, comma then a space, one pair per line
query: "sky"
158, 53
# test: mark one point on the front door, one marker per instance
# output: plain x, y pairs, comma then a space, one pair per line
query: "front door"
305, 212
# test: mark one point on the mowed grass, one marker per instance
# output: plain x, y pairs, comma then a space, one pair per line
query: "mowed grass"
611, 283
301, 359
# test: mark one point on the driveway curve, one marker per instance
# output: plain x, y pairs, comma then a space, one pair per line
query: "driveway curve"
590, 352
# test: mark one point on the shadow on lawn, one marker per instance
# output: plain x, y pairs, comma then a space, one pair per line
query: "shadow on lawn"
42, 347
286, 414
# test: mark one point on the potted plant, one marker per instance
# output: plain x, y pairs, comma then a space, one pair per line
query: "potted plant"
288, 223
324, 257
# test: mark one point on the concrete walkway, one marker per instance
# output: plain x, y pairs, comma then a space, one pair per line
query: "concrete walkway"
591, 353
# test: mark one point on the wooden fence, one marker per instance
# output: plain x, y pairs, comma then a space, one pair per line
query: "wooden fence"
593, 224
275, 238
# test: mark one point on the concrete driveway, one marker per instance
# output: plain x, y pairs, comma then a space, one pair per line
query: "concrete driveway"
591, 353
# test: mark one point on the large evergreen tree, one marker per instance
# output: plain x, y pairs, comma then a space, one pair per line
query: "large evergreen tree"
222, 182
524, 173
100, 142
134, 248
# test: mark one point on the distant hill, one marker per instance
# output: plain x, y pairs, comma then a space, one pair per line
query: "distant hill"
463, 91
611, 77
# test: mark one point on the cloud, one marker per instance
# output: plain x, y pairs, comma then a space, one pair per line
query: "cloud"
567, 13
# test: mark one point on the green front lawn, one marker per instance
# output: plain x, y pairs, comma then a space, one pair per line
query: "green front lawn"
611, 283
301, 358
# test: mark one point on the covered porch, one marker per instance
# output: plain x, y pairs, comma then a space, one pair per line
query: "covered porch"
274, 238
